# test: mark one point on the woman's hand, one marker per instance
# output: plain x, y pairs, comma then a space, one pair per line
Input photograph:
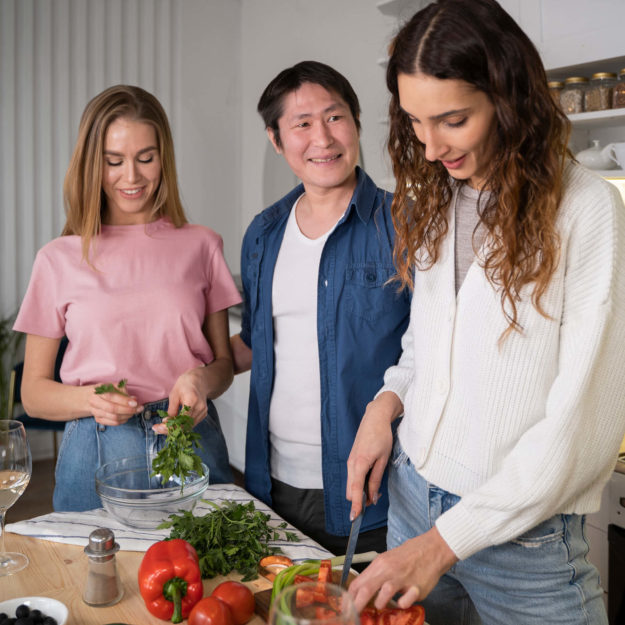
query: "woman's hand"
412, 569
371, 449
112, 408
195, 386
190, 389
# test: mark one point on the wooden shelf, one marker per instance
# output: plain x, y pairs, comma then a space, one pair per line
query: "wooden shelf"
611, 173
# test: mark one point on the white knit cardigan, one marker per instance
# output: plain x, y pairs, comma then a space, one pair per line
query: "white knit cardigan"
531, 427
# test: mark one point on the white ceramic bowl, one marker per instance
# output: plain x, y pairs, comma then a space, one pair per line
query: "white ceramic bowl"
50, 607
135, 498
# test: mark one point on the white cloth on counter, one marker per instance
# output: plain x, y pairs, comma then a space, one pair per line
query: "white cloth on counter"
74, 527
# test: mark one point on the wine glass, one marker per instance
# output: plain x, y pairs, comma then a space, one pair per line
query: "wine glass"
313, 603
15, 471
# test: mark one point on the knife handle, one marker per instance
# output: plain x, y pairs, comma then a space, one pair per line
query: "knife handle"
365, 488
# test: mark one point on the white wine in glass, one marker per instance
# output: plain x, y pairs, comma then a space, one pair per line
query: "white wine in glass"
313, 603
15, 472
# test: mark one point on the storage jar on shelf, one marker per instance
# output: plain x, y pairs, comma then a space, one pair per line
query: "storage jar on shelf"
618, 95
572, 96
555, 89
598, 95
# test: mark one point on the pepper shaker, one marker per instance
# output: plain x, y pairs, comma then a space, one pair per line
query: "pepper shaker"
103, 587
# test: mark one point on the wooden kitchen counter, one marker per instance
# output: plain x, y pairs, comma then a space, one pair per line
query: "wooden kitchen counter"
59, 571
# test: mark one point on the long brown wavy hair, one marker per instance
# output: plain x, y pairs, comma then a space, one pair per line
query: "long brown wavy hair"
85, 201
478, 42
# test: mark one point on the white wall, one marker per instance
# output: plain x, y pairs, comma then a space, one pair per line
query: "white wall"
350, 35
57, 54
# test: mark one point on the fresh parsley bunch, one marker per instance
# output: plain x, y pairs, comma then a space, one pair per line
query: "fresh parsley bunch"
120, 388
233, 537
178, 456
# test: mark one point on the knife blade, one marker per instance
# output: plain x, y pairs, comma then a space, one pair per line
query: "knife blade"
353, 539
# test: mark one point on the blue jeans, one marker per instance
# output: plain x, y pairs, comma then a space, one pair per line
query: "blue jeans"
87, 445
540, 578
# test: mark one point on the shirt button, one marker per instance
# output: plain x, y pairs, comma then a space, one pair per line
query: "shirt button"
325, 283
370, 277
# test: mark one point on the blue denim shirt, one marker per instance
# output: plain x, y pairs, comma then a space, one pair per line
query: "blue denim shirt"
360, 322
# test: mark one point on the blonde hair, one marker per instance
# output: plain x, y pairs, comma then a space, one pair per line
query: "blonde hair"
83, 196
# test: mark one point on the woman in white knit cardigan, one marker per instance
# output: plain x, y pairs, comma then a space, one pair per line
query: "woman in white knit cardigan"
512, 379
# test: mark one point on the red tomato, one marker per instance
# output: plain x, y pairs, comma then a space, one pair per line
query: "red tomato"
239, 599
211, 611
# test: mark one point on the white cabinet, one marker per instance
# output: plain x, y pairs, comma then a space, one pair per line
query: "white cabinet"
571, 32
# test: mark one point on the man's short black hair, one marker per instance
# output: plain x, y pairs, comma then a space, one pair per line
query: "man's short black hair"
270, 105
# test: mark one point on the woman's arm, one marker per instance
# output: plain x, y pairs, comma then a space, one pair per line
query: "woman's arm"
45, 398
241, 354
195, 386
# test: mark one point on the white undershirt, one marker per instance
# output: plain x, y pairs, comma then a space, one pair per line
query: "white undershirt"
295, 410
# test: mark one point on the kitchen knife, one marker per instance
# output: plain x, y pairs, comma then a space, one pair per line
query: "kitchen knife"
353, 539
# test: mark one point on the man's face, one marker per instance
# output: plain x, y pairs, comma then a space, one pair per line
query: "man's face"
319, 138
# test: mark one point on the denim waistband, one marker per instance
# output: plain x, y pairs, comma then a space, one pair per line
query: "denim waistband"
150, 409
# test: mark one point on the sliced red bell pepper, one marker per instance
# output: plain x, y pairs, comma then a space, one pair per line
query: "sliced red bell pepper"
322, 613
414, 615
325, 571
170, 581
302, 579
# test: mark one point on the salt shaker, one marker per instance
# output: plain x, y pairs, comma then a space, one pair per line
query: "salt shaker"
103, 587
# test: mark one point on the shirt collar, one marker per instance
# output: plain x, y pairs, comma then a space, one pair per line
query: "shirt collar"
363, 200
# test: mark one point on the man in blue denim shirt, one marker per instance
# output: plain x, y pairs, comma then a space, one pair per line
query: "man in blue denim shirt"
320, 318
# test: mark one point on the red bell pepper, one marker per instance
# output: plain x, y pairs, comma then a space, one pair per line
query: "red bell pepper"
169, 579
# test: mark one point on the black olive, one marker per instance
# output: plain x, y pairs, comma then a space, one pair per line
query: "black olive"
49, 621
22, 610
37, 615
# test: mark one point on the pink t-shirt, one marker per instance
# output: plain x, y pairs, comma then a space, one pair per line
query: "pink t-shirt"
138, 315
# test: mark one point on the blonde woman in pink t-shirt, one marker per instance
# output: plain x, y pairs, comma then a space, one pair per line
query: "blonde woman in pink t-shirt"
139, 293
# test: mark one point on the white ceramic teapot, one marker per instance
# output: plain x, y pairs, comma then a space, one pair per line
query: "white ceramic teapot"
596, 157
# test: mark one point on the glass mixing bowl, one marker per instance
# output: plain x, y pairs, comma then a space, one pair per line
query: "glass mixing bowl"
132, 496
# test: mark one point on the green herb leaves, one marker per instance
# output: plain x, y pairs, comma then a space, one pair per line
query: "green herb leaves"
178, 457
234, 536
112, 388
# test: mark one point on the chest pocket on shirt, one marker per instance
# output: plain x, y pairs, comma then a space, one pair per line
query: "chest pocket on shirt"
367, 293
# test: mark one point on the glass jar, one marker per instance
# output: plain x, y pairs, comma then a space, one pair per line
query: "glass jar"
572, 96
598, 96
555, 88
618, 94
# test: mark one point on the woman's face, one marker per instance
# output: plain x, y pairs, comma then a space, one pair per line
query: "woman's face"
131, 171
454, 121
